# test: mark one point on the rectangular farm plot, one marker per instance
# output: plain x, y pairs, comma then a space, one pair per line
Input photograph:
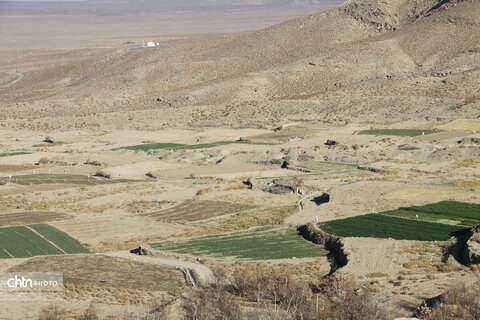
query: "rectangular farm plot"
264, 243
21, 242
446, 212
61, 239
10, 154
397, 132
192, 210
383, 226
35, 179
327, 169
178, 146
19, 218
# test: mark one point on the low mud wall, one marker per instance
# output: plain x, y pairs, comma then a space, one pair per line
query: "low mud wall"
146, 250
336, 255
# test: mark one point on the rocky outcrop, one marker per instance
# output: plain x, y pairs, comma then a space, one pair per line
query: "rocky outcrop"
464, 246
469, 140
471, 249
336, 255
324, 198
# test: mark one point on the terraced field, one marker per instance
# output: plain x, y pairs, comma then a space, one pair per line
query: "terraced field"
384, 226
331, 169
286, 134
35, 179
178, 146
8, 154
447, 212
192, 210
263, 243
24, 242
397, 132
61, 239
18, 218
109, 272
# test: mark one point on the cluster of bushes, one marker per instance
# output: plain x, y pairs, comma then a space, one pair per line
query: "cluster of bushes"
460, 302
257, 295
251, 294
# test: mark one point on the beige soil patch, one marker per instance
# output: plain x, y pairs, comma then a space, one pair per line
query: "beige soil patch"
367, 255
18, 218
107, 232
425, 195
7, 190
15, 168
347, 200
225, 170
462, 124
192, 210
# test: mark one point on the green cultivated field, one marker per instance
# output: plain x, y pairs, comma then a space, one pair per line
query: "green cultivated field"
448, 212
22, 242
7, 154
263, 243
61, 239
32, 179
177, 146
384, 226
396, 132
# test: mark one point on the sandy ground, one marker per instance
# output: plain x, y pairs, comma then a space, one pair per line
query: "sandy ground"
286, 90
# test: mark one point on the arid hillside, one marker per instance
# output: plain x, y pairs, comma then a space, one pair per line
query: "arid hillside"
399, 60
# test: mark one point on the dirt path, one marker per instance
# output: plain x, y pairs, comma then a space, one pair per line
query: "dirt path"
204, 273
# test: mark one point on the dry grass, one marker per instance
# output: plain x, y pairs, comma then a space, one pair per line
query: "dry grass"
459, 302
238, 187
203, 191
85, 274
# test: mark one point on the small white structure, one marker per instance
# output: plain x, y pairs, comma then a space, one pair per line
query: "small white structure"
150, 44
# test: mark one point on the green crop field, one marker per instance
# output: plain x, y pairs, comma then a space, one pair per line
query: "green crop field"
61, 239
41, 178
8, 154
397, 132
23, 242
448, 212
384, 226
262, 243
177, 146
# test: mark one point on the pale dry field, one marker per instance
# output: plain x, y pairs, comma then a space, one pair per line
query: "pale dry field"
235, 109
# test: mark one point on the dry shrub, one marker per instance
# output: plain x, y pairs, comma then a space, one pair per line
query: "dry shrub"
89, 314
203, 191
102, 174
238, 187
460, 302
52, 312
43, 161
212, 303
17, 223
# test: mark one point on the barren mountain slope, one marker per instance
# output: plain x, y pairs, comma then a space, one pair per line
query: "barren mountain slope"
404, 57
